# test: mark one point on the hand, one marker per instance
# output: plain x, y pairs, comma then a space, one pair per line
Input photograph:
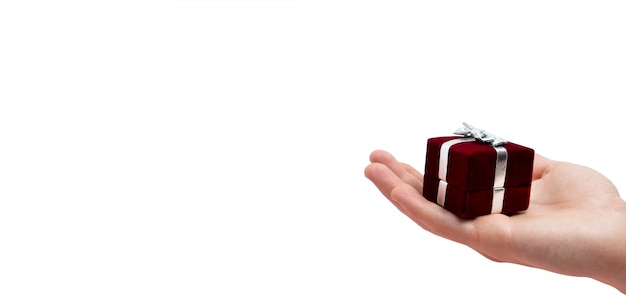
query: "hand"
575, 224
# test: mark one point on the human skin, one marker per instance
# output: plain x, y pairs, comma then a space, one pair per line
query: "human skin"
575, 224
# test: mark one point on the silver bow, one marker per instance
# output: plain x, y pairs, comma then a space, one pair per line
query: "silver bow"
480, 135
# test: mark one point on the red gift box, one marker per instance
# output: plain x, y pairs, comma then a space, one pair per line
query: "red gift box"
471, 176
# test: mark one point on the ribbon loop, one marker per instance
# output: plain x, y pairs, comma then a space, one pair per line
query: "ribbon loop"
480, 135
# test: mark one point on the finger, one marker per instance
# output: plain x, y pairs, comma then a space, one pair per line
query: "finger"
489, 256
433, 217
387, 182
414, 172
399, 168
428, 215
404, 171
380, 156
541, 166
384, 179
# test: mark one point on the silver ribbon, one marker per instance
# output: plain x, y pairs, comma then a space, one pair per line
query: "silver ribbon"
480, 135
497, 203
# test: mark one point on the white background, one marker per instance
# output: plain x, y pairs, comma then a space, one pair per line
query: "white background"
218, 147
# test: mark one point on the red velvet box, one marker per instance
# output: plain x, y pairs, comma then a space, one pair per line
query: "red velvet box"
471, 178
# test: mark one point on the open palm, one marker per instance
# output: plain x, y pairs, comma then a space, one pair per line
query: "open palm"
575, 224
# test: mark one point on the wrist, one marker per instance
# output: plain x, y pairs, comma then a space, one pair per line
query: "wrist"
618, 280
615, 271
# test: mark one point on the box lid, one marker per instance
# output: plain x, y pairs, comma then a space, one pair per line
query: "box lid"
471, 165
